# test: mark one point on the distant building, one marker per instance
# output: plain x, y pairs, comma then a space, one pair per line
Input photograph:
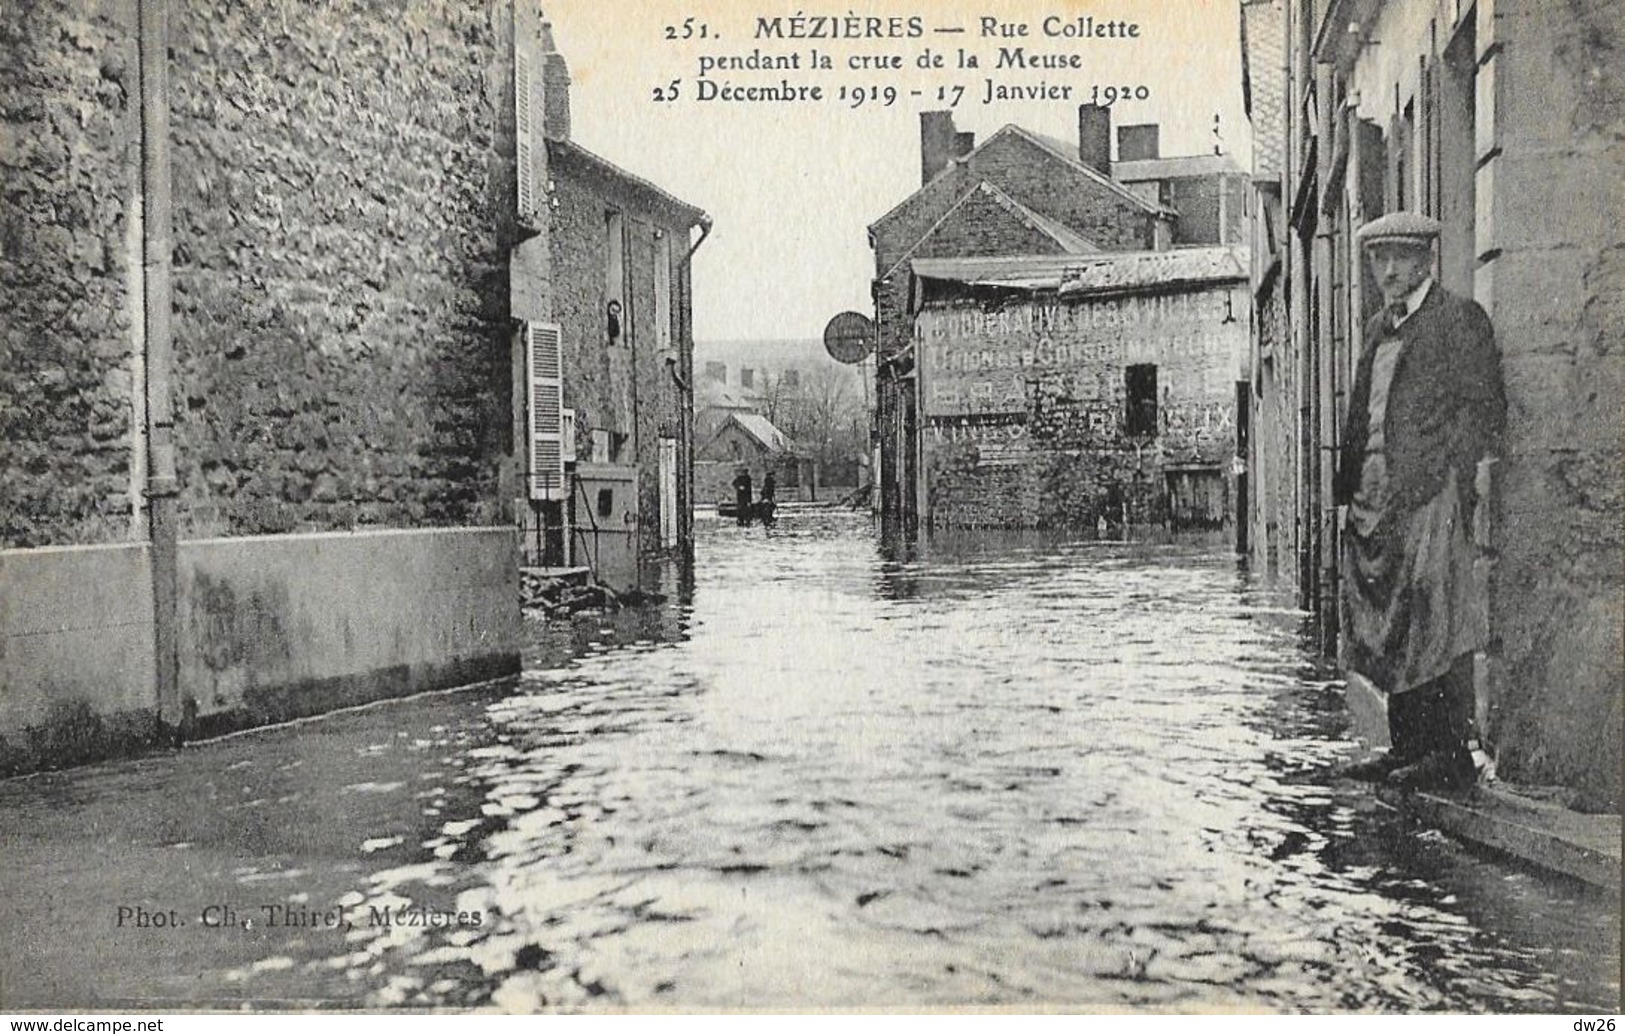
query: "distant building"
1047, 206
753, 443
798, 387
1209, 191
1503, 122
1078, 391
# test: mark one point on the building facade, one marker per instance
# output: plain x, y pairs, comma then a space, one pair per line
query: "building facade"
609, 407
1503, 121
1018, 193
1032, 213
260, 273
1087, 392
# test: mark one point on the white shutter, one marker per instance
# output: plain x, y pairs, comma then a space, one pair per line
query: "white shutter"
544, 379
524, 117
668, 492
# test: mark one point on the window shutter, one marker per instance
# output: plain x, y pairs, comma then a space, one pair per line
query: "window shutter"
544, 360
524, 111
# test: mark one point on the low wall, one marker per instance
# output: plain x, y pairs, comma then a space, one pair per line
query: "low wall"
270, 628
76, 654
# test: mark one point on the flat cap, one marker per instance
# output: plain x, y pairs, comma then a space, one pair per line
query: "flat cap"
1398, 227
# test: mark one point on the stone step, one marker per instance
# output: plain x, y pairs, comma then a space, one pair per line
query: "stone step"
1541, 833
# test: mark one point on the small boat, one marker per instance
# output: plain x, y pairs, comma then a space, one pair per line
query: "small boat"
764, 510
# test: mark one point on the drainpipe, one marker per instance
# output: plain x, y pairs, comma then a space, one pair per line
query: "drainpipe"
681, 276
682, 267
156, 244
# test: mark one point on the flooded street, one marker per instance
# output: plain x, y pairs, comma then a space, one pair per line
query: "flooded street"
1002, 771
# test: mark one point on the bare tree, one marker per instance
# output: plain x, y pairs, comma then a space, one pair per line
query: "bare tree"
823, 410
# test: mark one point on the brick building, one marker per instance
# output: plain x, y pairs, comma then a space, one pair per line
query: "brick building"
1209, 191
1504, 121
1024, 195
616, 285
261, 267
1017, 193
1080, 390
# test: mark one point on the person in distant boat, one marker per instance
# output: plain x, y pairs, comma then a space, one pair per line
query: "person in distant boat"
1428, 405
742, 494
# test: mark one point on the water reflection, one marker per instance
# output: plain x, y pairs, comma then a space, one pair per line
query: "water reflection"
826, 771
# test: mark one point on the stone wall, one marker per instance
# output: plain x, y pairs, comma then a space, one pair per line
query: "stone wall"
69, 263
626, 387
1551, 125
340, 277
1023, 408
1201, 200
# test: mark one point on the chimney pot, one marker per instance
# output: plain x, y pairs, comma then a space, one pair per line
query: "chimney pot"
555, 88
1095, 137
1138, 143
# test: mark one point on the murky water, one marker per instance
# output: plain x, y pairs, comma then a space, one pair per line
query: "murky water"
1000, 771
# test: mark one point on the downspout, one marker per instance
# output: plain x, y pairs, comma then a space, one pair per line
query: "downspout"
683, 270
684, 276
156, 245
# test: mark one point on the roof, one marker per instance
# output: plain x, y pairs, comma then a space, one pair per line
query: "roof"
1263, 70
1174, 168
1069, 239
764, 431
1069, 155
569, 151
720, 396
1033, 272
1106, 272
1054, 148
1066, 238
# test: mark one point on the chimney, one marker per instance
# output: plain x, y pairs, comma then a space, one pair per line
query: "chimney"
555, 89
939, 143
1095, 137
1138, 143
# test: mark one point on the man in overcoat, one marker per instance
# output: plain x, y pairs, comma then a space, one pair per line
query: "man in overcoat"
1427, 406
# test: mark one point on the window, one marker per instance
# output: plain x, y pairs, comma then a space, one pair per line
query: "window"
614, 276
1140, 390
662, 291
747, 377
1404, 167
791, 379
715, 371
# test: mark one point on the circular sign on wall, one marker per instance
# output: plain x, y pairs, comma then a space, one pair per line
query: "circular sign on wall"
849, 337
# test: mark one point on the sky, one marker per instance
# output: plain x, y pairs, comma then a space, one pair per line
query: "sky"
792, 187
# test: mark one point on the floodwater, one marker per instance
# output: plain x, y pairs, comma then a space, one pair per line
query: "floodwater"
997, 771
